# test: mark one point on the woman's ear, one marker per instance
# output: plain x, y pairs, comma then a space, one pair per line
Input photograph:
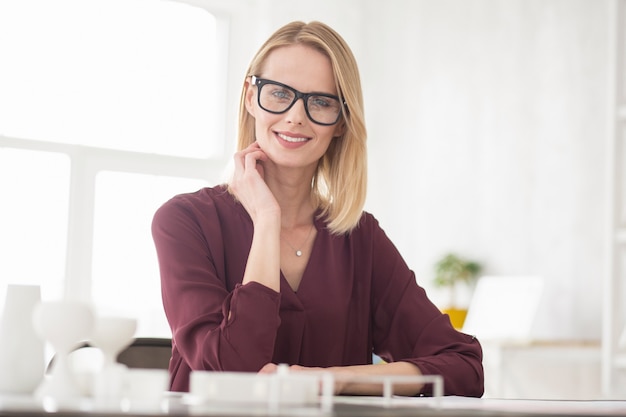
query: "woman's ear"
249, 97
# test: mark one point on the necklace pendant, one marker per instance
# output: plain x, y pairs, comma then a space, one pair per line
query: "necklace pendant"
298, 253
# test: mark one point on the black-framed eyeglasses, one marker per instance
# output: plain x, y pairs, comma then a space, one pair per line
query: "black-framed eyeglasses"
277, 98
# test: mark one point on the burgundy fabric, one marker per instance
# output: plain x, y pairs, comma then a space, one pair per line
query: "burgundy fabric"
357, 296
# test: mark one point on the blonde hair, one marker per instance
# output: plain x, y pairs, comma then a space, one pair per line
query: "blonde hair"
340, 182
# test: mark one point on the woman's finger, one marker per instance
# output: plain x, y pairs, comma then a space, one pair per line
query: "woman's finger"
268, 368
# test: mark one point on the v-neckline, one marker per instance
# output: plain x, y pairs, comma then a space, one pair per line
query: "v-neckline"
284, 280
302, 279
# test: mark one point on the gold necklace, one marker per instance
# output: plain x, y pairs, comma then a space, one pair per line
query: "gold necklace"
299, 251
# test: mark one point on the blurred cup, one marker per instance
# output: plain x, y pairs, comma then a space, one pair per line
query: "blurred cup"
145, 389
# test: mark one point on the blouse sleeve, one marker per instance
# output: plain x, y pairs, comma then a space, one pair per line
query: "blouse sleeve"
408, 327
212, 327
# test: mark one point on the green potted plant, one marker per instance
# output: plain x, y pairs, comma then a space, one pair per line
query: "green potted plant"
451, 270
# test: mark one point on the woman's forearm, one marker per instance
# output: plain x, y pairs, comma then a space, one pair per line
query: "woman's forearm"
263, 265
351, 386
346, 377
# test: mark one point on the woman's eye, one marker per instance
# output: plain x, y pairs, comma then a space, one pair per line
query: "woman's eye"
282, 94
319, 101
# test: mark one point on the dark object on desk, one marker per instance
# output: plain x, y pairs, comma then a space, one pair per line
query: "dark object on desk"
147, 352
143, 352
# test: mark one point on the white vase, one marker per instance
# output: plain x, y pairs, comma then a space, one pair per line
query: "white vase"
21, 349
63, 324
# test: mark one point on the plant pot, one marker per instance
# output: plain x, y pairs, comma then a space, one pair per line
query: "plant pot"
457, 316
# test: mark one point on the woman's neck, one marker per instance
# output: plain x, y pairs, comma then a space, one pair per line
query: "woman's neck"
292, 190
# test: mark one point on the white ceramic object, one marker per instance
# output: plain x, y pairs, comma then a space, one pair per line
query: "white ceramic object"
113, 334
245, 388
145, 390
109, 386
21, 350
63, 324
229, 386
85, 364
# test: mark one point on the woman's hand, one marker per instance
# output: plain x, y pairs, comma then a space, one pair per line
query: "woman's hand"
271, 368
248, 183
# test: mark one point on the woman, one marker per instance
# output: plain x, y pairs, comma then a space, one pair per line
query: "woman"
282, 265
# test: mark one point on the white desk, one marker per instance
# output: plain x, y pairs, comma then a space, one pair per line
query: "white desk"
354, 407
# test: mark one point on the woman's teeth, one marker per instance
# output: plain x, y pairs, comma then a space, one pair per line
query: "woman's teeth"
291, 139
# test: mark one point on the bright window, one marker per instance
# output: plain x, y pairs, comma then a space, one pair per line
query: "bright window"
137, 75
125, 270
107, 109
33, 219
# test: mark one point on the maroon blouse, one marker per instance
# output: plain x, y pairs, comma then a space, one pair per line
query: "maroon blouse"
357, 296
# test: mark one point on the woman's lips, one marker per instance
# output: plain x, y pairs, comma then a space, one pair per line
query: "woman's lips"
292, 139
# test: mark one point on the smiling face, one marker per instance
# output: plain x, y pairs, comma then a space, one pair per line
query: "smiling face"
291, 139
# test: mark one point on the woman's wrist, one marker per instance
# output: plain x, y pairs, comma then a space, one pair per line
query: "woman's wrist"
347, 379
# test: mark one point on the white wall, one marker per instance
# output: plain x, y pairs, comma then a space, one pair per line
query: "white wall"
487, 130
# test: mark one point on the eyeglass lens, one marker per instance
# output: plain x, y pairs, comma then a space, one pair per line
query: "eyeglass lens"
278, 98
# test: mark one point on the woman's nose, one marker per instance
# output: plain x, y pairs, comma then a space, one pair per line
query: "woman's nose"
297, 112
